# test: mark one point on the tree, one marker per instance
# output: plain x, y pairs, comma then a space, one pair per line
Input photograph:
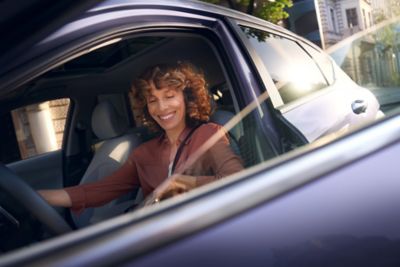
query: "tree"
270, 10
378, 15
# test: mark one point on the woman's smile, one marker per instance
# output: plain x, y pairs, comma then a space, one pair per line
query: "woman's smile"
167, 117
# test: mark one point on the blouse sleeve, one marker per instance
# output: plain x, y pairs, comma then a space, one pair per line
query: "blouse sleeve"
219, 157
108, 188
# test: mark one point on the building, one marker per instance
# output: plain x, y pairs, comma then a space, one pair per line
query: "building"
372, 60
342, 18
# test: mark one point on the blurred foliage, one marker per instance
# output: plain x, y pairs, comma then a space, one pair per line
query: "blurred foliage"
270, 10
379, 15
261, 36
392, 10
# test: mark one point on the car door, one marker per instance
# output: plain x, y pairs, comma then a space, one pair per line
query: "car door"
310, 102
317, 209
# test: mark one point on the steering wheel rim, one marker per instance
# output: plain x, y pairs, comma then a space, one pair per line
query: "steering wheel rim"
32, 201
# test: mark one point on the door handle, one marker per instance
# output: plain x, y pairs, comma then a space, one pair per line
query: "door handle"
359, 106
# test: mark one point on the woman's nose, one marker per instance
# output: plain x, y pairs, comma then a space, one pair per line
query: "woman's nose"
162, 105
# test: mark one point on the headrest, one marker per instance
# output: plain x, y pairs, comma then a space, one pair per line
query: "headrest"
221, 117
106, 123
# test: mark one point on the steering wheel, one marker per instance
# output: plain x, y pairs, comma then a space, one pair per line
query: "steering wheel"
32, 202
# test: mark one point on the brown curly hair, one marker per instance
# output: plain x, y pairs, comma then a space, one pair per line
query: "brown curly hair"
181, 76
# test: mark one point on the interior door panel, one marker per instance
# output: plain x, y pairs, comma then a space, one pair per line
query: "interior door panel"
41, 172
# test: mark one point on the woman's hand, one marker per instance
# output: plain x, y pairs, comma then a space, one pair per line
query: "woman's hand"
176, 184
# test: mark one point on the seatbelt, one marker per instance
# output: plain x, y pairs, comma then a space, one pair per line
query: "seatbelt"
180, 148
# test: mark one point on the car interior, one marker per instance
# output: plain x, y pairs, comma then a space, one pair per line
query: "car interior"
100, 126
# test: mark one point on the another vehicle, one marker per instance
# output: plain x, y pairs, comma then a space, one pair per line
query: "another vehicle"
320, 186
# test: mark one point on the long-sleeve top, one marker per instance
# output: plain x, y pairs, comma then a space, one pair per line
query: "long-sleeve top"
147, 167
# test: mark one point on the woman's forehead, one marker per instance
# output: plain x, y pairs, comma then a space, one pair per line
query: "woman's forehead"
160, 91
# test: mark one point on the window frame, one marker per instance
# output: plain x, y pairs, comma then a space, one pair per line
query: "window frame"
310, 50
264, 74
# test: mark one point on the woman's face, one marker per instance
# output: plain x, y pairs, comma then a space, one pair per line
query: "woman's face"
167, 107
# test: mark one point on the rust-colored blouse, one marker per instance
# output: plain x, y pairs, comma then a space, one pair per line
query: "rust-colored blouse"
147, 167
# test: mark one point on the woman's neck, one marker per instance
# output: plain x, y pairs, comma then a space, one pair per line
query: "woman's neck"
174, 134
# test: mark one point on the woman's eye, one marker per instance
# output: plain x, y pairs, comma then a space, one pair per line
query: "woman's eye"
170, 96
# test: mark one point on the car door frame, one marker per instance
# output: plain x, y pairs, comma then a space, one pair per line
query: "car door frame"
287, 112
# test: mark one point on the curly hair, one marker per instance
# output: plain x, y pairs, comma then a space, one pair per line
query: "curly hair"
180, 76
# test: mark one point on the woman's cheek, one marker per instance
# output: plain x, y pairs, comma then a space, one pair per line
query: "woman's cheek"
151, 108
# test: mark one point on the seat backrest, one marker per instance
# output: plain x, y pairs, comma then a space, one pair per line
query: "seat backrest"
110, 154
221, 117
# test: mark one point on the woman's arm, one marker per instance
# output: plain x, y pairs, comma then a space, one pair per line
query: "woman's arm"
100, 192
56, 197
96, 193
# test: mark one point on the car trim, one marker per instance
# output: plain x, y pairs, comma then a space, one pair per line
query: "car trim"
188, 6
264, 75
132, 235
305, 99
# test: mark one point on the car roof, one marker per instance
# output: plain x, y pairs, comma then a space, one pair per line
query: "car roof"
27, 34
19, 61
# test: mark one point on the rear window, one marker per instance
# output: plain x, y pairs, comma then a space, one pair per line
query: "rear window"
293, 71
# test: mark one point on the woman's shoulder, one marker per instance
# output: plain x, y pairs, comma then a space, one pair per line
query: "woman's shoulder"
207, 130
210, 127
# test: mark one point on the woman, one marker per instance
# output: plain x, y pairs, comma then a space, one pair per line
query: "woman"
173, 101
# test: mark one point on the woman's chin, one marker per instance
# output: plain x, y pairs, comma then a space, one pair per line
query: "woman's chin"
172, 126
168, 127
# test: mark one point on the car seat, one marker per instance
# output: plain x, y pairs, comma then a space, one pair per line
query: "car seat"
110, 154
222, 117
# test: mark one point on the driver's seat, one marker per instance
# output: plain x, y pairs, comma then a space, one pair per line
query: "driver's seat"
110, 154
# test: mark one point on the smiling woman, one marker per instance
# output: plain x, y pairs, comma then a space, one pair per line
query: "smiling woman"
175, 103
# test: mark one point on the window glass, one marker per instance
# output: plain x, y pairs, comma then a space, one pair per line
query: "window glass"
351, 15
323, 61
39, 128
333, 25
293, 71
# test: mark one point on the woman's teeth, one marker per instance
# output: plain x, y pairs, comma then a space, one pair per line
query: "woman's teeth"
166, 117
